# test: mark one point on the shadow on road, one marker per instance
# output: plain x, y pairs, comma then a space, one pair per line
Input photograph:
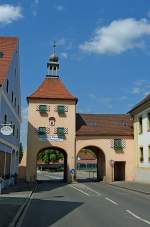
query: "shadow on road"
49, 185
21, 186
8, 209
46, 212
86, 180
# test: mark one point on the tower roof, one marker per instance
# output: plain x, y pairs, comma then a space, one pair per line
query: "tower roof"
52, 88
7, 49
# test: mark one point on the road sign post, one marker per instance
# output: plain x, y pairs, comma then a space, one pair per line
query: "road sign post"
112, 162
72, 171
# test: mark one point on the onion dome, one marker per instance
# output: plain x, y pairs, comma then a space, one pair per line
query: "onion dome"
53, 58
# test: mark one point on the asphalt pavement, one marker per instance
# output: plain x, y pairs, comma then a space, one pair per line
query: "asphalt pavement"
87, 204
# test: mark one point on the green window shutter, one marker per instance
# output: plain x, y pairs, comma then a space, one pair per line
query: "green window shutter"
60, 132
42, 131
61, 109
118, 144
43, 108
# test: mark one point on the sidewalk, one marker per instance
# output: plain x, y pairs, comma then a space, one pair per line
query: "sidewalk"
133, 186
12, 200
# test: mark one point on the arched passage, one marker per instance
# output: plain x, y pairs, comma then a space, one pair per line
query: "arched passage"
52, 164
90, 164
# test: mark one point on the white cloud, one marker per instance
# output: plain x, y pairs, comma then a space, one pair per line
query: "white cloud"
148, 14
141, 87
9, 13
136, 90
64, 55
59, 8
119, 36
35, 7
106, 101
123, 98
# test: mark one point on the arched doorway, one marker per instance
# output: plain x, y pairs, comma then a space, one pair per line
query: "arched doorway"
52, 164
90, 164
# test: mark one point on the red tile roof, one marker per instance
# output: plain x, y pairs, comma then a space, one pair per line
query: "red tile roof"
104, 125
142, 102
7, 47
52, 88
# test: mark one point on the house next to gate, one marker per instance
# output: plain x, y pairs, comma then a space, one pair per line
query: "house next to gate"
9, 108
141, 118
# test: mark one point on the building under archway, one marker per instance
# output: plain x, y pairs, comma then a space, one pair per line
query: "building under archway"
90, 164
52, 164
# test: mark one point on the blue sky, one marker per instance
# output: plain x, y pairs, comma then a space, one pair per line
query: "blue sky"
103, 45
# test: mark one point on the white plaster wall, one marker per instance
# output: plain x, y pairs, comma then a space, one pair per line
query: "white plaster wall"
142, 175
144, 138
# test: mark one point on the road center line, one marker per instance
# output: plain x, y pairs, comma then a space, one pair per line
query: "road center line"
137, 217
110, 200
79, 190
92, 190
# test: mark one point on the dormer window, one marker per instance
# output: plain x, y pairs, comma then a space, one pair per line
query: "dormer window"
43, 108
12, 97
7, 86
61, 109
1, 54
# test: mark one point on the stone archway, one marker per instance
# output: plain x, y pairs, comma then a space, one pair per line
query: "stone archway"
100, 161
55, 165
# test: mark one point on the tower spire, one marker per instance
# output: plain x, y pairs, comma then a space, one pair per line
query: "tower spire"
54, 47
53, 63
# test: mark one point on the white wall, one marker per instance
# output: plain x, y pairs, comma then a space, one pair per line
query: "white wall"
144, 139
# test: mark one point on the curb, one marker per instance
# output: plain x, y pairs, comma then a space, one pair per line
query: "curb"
21, 209
131, 189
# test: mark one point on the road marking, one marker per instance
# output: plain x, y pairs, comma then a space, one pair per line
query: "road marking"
79, 190
110, 200
137, 217
92, 190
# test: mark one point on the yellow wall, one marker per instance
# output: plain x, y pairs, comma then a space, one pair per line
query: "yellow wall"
35, 120
71, 145
104, 143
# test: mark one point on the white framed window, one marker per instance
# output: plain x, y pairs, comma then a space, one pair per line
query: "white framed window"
140, 125
141, 154
148, 122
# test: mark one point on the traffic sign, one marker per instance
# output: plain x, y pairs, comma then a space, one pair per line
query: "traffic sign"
72, 171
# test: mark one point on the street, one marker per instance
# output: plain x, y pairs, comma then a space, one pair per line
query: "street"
85, 204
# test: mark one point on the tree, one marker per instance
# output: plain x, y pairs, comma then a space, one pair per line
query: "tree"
50, 155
